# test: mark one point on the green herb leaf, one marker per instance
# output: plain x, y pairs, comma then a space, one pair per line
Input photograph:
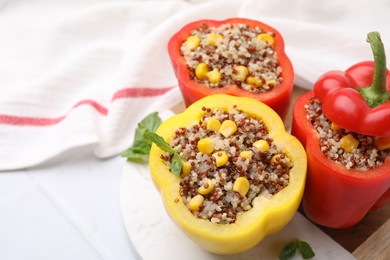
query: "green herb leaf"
176, 164
144, 137
149, 124
140, 149
137, 153
159, 141
305, 250
288, 251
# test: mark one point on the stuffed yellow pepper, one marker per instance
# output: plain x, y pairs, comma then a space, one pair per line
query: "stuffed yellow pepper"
241, 175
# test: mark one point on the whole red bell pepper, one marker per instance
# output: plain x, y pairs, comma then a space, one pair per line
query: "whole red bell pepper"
357, 99
278, 98
336, 196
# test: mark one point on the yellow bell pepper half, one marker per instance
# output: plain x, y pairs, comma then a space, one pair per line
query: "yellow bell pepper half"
267, 216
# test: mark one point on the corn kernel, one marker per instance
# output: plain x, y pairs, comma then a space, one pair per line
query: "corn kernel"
214, 76
271, 82
207, 187
214, 38
196, 202
228, 128
246, 154
241, 185
213, 124
192, 42
348, 143
334, 127
254, 81
240, 73
261, 145
265, 37
206, 145
185, 168
201, 71
382, 143
221, 158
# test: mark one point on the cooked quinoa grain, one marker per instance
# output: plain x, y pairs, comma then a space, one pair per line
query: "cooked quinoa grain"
223, 181
233, 54
353, 150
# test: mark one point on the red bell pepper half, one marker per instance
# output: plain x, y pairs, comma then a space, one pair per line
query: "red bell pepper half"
336, 196
278, 98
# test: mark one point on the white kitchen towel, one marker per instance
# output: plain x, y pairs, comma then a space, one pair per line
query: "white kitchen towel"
79, 73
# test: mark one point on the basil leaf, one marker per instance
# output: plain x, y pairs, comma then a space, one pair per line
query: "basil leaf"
136, 154
305, 250
149, 124
176, 164
140, 149
159, 141
144, 137
288, 251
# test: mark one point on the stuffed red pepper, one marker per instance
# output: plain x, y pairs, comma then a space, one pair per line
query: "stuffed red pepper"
344, 125
237, 56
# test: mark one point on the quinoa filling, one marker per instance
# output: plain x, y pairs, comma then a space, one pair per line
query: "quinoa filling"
233, 54
353, 150
228, 160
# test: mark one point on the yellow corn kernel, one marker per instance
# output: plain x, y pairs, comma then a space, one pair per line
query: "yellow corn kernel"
254, 81
265, 37
201, 71
240, 73
213, 124
185, 168
271, 82
221, 158
382, 143
192, 42
214, 76
206, 145
213, 38
228, 128
207, 187
348, 143
261, 145
196, 202
334, 127
246, 154
241, 185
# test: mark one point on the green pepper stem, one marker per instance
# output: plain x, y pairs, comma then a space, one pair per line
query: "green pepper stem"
377, 94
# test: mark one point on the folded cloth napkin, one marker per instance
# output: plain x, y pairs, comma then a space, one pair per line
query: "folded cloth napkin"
84, 73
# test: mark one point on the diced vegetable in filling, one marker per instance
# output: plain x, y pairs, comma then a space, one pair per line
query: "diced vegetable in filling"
228, 160
353, 150
233, 54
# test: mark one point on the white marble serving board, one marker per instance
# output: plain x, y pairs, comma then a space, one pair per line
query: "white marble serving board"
155, 236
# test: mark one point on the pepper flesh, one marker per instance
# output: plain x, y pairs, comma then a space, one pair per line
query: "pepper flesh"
335, 196
267, 216
278, 98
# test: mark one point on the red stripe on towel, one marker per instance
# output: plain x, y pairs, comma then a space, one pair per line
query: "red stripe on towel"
42, 121
140, 92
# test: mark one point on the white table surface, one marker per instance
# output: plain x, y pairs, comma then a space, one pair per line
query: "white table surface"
64, 210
